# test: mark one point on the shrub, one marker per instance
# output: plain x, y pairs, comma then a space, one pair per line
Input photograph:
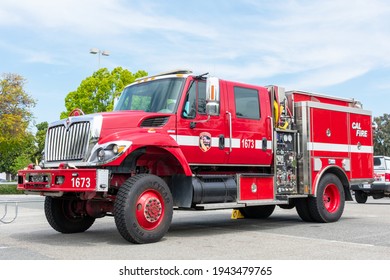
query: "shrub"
9, 189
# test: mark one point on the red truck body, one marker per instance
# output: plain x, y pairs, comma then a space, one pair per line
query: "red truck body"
181, 141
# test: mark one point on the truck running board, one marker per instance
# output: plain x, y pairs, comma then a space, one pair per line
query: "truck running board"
216, 206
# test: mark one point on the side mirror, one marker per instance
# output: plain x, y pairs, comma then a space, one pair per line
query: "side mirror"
212, 109
212, 96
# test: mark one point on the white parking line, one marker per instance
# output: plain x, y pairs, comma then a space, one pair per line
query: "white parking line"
325, 240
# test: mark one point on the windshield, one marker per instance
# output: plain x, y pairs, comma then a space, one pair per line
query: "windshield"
154, 96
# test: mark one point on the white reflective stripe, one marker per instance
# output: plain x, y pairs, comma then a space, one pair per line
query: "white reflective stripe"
259, 145
362, 149
312, 146
235, 143
187, 140
193, 141
324, 147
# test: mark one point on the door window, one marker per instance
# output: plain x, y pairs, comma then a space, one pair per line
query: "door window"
195, 100
247, 103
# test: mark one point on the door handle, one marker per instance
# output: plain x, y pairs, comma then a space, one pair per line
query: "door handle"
221, 142
264, 143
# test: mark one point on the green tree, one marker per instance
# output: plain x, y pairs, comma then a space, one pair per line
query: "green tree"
40, 137
21, 155
97, 92
32, 148
382, 135
15, 118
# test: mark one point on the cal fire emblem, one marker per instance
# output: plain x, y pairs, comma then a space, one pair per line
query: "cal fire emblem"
205, 141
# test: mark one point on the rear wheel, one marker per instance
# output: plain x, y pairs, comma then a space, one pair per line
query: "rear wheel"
143, 209
328, 205
67, 215
290, 205
360, 197
302, 207
258, 212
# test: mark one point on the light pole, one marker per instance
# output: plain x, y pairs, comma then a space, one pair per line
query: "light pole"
99, 52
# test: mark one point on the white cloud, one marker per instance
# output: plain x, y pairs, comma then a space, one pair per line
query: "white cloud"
39, 57
385, 85
306, 44
306, 35
295, 36
90, 17
323, 77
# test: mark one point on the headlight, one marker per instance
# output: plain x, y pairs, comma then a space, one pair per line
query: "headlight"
104, 153
115, 149
100, 154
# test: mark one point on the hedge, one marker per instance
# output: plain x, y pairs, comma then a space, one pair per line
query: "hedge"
9, 189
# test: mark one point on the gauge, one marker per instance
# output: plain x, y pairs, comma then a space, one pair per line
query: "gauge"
290, 138
285, 138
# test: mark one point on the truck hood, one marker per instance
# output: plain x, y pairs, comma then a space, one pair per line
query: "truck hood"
110, 124
119, 120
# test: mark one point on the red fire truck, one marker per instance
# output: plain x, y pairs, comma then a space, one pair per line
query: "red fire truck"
183, 141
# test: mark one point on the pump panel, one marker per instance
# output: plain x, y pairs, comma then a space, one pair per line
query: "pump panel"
286, 162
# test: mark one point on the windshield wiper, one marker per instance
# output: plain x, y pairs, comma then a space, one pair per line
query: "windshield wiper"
201, 77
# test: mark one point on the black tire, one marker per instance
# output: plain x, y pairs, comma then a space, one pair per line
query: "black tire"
257, 212
328, 205
302, 207
63, 216
133, 220
289, 206
360, 197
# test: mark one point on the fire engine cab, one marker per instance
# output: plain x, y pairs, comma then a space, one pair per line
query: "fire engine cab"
183, 141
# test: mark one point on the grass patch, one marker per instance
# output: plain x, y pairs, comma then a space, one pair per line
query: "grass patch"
9, 189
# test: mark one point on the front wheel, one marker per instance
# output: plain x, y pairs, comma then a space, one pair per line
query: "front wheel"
143, 209
67, 215
360, 197
328, 205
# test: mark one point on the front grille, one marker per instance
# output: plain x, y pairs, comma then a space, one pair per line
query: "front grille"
154, 122
67, 143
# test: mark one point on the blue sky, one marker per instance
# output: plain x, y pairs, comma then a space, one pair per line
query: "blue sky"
340, 48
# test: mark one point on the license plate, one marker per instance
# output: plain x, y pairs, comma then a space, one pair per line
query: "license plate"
366, 186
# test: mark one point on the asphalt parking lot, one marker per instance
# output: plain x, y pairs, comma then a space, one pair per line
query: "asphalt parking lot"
361, 234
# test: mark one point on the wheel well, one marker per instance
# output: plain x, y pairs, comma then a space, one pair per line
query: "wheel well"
153, 160
160, 162
343, 179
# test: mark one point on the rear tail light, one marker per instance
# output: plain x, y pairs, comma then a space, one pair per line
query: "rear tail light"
387, 177
379, 177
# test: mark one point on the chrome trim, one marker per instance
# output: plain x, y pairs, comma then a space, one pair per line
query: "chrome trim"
92, 160
71, 140
304, 164
315, 94
323, 172
230, 131
338, 108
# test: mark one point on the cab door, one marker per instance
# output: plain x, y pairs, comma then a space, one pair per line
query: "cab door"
200, 136
250, 125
